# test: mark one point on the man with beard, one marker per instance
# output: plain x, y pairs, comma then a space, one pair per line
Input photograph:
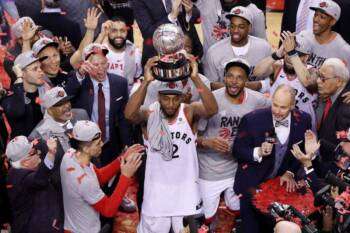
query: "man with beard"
21, 106
262, 148
51, 66
59, 117
171, 165
124, 59
215, 25
322, 41
217, 167
239, 45
292, 71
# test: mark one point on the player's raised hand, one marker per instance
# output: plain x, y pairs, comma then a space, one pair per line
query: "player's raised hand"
91, 19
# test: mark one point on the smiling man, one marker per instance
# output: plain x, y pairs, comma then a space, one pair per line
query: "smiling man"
239, 45
323, 42
59, 117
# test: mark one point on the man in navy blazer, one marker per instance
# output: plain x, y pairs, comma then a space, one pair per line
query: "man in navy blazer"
262, 149
150, 14
86, 91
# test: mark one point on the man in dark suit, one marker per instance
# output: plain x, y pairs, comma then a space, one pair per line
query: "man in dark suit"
332, 83
104, 97
262, 149
289, 19
150, 14
52, 19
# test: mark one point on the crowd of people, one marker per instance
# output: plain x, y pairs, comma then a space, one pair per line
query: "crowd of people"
83, 115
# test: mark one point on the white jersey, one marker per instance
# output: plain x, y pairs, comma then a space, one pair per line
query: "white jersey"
171, 187
304, 100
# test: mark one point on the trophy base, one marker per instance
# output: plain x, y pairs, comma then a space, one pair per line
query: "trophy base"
172, 72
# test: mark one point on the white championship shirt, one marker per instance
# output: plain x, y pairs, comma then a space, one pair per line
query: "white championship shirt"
171, 187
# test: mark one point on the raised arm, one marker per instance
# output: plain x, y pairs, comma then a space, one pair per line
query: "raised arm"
133, 110
265, 67
208, 107
91, 22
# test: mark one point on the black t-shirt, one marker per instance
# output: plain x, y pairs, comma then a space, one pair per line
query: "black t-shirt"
60, 80
37, 114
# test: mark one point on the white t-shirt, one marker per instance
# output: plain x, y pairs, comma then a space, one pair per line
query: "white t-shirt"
241, 51
81, 190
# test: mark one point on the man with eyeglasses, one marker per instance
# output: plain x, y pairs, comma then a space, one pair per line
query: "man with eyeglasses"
334, 114
217, 166
239, 45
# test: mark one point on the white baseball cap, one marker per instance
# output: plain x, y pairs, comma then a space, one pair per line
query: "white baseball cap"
42, 43
170, 88
18, 149
17, 28
328, 7
27, 58
242, 12
94, 48
85, 131
55, 96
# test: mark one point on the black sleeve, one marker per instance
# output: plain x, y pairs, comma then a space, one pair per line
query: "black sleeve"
14, 105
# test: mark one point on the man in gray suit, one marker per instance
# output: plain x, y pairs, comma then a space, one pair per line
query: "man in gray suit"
59, 117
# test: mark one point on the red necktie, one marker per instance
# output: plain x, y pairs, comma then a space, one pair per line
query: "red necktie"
101, 111
326, 109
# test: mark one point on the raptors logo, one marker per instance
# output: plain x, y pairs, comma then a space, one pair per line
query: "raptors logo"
323, 4
237, 11
225, 133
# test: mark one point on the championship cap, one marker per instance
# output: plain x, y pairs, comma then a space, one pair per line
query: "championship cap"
242, 12
328, 7
86, 131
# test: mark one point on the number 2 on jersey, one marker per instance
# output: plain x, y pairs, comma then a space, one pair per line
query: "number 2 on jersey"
175, 149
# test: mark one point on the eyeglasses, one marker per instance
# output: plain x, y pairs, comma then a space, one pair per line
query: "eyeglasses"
322, 78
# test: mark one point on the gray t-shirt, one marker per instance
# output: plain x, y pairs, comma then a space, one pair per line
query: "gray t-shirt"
222, 52
215, 166
337, 48
213, 17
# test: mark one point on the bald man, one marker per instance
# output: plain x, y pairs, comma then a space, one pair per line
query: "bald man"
262, 149
287, 227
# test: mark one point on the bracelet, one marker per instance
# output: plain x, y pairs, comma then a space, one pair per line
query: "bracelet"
292, 53
275, 56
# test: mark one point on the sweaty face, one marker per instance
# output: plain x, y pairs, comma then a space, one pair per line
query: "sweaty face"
33, 74
61, 113
235, 80
239, 30
100, 63
117, 35
170, 104
51, 65
327, 83
282, 104
322, 22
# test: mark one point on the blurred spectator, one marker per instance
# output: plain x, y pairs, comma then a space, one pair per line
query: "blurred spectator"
124, 59
51, 66
215, 24
149, 14
5, 216
59, 118
34, 199
22, 106
10, 7
53, 19
334, 114
104, 97
239, 44
83, 198
120, 8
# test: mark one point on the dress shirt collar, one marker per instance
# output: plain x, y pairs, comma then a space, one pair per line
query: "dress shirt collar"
105, 83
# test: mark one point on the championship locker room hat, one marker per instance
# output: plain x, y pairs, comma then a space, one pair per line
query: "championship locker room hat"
54, 97
328, 7
42, 43
240, 63
86, 131
170, 88
94, 48
17, 149
242, 12
27, 58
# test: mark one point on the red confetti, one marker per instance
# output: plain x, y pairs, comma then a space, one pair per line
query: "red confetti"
275, 33
149, 41
199, 20
244, 166
70, 169
38, 101
80, 178
9, 186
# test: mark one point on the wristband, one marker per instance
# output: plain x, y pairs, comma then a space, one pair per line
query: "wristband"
292, 53
275, 57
